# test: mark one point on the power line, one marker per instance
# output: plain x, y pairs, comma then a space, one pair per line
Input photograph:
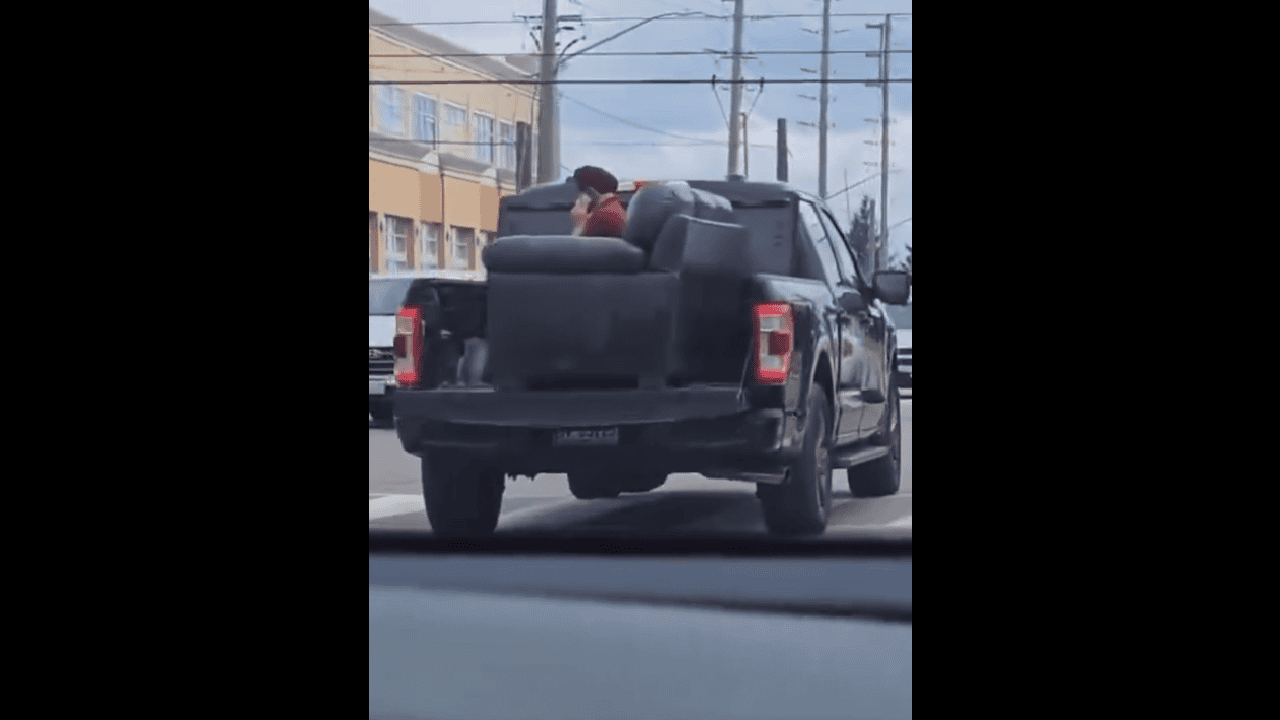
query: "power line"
496, 143
662, 81
625, 143
585, 20
524, 22
869, 177
628, 122
651, 52
896, 225
693, 142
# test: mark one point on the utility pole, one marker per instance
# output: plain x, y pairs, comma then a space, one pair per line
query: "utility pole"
548, 137
746, 149
822, 113
882, 238
883, 246
782, 150
735, 103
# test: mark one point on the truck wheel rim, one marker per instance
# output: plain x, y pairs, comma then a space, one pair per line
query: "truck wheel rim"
895, 429
824, 470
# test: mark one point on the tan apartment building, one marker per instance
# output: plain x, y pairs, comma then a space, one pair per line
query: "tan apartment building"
440, 156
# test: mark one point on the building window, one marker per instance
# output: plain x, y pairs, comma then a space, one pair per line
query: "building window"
399, 231
484, 138
463, 241
391, 110
424, 118
455, 115
507, 149
429, 246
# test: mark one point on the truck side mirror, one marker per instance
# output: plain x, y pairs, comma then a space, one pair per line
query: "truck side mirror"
892, 286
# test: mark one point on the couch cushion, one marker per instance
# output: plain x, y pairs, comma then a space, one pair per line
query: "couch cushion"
711, 331
562, 255
650, 208
712, 207
667, 253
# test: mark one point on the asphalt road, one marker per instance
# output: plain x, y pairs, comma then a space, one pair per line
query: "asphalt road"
688, 502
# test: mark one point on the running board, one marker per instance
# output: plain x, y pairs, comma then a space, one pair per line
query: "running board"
754, 477
850, 458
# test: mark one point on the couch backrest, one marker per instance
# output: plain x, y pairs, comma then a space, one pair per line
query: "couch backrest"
562, 255
654, 205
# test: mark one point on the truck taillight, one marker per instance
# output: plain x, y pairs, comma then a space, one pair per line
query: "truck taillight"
775, 338
407, 346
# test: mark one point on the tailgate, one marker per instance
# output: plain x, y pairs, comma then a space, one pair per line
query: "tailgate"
559, 409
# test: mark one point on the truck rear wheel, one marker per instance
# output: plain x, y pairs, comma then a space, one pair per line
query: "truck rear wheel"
463, 496
882, 477
800, 505
380, 410
591, 485
638, 482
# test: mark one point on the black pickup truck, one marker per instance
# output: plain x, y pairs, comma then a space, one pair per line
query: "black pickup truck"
730, 333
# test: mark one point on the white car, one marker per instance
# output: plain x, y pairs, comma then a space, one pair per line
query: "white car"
386, 295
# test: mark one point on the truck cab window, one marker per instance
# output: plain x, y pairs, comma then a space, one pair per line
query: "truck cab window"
818, 236
847, 262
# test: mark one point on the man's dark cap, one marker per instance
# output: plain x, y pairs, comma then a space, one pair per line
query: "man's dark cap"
595, 178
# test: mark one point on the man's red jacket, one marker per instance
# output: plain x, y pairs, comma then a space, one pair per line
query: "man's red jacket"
607, 218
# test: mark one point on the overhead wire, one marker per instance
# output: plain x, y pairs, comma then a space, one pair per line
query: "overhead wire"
585, 20
655, 81
633, 124
641, 53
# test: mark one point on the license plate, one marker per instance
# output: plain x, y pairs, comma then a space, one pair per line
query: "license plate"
377, 387
587, 436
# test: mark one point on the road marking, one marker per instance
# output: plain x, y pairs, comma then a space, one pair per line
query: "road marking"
389, 505
565, 513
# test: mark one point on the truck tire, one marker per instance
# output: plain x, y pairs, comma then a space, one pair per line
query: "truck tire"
882, 477
639, 482
800, 505
463, 496
380, 410
593, 485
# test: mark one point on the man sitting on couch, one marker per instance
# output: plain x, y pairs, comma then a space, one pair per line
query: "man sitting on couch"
599, 211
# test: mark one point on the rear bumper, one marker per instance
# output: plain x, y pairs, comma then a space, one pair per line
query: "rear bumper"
674, 430
565, 409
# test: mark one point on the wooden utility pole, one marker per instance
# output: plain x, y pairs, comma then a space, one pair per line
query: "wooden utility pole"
548, 137
782, 150
735, 103
822, 113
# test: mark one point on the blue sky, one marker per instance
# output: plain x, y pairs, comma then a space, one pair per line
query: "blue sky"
692, 111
